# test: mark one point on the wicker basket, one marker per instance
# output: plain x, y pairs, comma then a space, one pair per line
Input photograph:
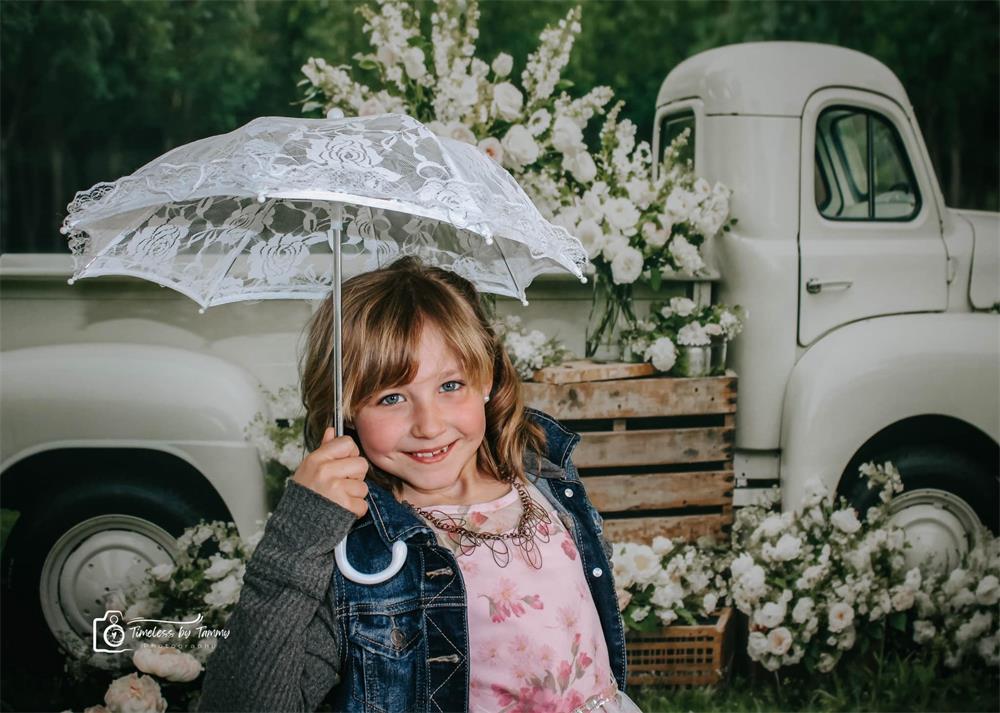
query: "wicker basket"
697, 655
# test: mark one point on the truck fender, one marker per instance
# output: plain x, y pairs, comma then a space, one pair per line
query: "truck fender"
868, 375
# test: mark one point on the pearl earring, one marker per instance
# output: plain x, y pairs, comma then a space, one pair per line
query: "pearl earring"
486, 398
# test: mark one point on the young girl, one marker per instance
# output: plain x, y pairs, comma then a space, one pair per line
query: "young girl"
506, 600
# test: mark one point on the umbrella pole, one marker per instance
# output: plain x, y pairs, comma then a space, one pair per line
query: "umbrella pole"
338, 359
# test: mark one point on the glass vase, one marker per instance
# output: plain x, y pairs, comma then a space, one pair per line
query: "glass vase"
611, 304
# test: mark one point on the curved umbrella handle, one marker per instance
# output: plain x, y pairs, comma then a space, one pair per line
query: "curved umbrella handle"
347, 569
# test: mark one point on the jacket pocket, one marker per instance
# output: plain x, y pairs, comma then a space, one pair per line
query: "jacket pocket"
386, 651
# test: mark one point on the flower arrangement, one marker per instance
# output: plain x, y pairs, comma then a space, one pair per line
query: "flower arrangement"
667, 582
278, 436
634, 227
528, 351
680, 323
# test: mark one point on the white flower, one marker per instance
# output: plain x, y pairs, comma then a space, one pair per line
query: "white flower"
847, 639
539, 122
679, 204
826, 663
580, 165
682, 306
988, 649
626, 266
624, 597
770, 615
988, 591
923, 631
902, 599
815, 491
757, 645
166, 662
640, 613
788, 548
460, 132
753, 581
502, 65
913, 579
709, 602
685, 254
566, 135
840, 617
958, 579
654, 236
220, 566
661, 354
975, 627
622, 214
802, 610
371, 107
162, 572
662, 545
846, 520
134, 694
224, 592
779, 641
591, 236
741, 565
492, 147
693, 335
507, 101
613, 244
520, 147
142, 608
291, 455
413, 62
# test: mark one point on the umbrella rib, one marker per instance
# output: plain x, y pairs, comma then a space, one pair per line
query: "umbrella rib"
222, 275
513, 279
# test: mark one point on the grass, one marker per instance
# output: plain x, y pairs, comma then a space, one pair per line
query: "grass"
895, 683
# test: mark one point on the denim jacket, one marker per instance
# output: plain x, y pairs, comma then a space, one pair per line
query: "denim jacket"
402, 645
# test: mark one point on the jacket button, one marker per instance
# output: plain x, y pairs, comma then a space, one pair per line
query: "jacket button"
397, 638
597, 572
568, 492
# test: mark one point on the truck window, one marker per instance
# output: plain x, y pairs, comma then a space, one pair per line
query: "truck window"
671, 127
862, 170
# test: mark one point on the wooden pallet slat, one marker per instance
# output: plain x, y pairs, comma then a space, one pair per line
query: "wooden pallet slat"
653, 447
685, 527
660, 491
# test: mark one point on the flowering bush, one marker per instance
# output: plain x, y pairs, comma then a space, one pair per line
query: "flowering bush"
634, 227
667, 582
678, 323
529, 351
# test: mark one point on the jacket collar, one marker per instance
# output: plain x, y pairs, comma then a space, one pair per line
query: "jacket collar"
395, 521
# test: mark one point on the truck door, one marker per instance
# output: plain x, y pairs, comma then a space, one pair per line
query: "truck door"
870, 239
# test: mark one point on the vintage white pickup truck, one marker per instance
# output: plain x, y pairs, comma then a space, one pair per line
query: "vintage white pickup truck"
873, 334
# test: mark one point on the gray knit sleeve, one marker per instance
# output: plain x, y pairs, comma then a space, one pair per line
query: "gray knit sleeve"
281, 653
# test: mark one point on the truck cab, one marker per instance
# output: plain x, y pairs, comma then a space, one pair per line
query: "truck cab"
874, 331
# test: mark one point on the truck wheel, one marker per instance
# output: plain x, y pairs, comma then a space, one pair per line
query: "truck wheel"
67, 552
947, 499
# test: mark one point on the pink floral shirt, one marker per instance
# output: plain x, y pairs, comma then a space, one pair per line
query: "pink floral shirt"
535, 638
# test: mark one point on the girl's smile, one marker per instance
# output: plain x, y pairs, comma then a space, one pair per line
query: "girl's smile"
428, 432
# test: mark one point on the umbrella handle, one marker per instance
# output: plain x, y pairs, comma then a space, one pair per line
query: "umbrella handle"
347, 569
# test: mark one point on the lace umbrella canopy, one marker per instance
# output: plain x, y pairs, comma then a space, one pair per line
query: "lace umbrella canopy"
284, 208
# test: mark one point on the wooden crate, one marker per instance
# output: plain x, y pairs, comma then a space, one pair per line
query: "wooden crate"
656, 453
698, 655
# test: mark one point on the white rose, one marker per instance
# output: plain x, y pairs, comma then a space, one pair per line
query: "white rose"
613, 244
566, 135
162, 572
413, 62
923, 631
802, 610
468, 92
693, 335
757, 645
662, 545
220, 566
626, 266
779, 641
134, 694
847, 639
679, 205
622, 214
753, 581
591, 236
460, 132
520, 147
846, 520
741, 565
371, 107
662, 354
387, 55
683, 307
840, 617
788, 548
702, 189
539, 122
685, 254
167, 662
902, 599
580, 165
709, 602
492, 148
507, 101
988, 591
644, 562
224, 592
502, 65
770, 615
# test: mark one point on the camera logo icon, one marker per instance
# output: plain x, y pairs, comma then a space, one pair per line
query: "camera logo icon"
108, 633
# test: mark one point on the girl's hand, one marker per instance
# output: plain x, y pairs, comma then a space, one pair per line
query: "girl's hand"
336, 471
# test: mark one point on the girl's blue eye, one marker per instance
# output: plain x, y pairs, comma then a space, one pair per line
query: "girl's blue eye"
390, 399
383, 401
455, 384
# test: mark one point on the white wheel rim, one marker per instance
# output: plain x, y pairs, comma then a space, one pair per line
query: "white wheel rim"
90, 561
940, 527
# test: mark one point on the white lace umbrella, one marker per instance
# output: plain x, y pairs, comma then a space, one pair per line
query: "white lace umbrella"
284, 208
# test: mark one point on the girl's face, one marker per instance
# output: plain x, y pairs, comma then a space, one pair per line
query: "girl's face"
427, 432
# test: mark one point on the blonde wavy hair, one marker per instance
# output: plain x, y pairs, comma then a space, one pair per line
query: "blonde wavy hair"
384, 313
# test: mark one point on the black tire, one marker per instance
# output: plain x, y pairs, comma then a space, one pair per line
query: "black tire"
28, 643
937, 466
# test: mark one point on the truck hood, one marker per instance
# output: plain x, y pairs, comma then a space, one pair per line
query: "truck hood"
984, 282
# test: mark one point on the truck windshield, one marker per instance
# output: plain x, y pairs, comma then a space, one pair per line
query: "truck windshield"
672, 129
